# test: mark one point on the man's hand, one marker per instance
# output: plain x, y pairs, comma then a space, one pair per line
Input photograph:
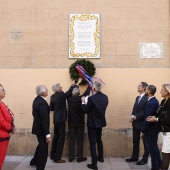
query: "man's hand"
131, 120
79, 80
141, 135
48, 140
134, 117
83, 99
151, 119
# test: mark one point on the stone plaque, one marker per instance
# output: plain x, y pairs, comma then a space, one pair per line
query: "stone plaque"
151, 50
84, 36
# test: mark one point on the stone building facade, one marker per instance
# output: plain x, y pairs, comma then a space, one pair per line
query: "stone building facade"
34, 50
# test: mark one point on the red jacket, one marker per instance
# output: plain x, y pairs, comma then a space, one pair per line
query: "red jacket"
6, 121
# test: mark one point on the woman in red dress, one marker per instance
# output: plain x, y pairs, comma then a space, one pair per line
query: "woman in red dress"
7, 127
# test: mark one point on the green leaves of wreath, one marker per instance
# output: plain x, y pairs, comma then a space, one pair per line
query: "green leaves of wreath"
86, 64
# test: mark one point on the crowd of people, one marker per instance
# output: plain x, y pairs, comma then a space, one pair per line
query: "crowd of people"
148, 119
77, 107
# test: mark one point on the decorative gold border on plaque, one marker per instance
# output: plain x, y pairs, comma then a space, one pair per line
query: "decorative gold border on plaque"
84, 17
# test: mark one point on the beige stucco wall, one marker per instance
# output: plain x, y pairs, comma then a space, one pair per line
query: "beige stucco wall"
34, 50
121, 88
34, 33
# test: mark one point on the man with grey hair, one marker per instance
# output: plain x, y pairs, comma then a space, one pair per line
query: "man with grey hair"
58, 105
41, 122
56, 87
97, 86
95, 109
76, 123
76, 92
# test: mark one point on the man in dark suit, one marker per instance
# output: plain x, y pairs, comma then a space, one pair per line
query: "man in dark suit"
58, 105
150, 129
137, 118
95, 109
76, 123
40, 112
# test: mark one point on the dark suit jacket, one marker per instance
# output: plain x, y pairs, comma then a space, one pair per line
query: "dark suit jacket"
40, 112
75, 112
139, 111
58, 105
95, 109
150, 128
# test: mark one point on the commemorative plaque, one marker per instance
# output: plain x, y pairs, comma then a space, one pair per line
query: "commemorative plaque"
151, 50
84, 36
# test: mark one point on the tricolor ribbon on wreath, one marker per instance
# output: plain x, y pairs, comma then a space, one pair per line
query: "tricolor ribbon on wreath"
86, 77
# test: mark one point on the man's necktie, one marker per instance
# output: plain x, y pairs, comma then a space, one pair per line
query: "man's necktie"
139, 99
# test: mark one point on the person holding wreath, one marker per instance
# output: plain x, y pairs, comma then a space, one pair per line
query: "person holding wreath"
96, 120
76, 122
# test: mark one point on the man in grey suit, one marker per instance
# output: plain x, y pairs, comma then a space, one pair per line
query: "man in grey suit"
137, 119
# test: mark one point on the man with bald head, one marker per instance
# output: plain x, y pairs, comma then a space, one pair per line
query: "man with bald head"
76, 123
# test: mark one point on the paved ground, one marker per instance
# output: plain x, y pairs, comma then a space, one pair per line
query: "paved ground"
110, 163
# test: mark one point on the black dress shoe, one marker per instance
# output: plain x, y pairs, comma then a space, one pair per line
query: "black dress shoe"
81, 159
32, 162
141, 162
51, 157
40, 168
92, 166
71, 160
100, 160
131, 160
59, 161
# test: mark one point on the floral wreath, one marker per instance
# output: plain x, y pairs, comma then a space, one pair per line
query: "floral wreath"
86, 64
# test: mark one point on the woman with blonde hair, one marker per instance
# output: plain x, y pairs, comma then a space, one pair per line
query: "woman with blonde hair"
163, 119
7, 127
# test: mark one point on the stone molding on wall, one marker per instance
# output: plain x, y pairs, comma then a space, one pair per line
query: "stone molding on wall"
116, 142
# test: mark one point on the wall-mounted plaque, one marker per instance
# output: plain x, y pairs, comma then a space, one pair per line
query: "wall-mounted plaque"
151, 50
84, 36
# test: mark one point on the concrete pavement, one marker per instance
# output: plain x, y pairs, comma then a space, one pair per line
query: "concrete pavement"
111, 163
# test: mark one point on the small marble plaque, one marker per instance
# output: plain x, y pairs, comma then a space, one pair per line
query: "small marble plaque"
151, 50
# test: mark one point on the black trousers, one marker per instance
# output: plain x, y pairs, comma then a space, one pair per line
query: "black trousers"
136, 145
94, 135
76, 132
58, 141
41, 153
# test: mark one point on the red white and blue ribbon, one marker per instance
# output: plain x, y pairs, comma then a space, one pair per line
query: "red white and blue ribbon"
86, 77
